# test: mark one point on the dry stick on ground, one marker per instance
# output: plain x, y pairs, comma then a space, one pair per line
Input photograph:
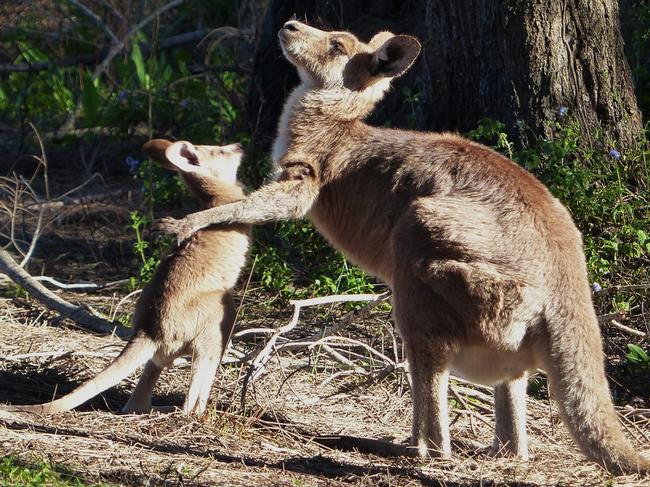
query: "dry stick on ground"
611, 319
66, 309
264, 353
627, 329
258, 365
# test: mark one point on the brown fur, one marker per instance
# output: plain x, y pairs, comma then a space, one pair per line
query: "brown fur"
187, 307
486, 266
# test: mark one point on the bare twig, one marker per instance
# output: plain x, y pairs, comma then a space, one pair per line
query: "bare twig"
124, 300
35, 236
96, 19
262, 357
262, 354
603, 319
627, 329
339, 357
80, 286
49, 299
42, 160
62, 285
119, 46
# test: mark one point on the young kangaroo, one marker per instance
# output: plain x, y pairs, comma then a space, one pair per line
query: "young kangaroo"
486, 266
187, 308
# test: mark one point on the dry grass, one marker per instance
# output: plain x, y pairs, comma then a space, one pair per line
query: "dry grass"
269, 442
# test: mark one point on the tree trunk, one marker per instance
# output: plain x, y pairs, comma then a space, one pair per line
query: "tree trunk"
515, 61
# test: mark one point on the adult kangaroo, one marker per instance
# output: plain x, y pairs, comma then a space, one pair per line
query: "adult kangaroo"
486, 266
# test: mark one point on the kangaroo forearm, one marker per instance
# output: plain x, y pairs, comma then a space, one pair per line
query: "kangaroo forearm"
275, 201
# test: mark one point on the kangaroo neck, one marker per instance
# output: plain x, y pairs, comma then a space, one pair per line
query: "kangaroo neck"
211, 193
314, 121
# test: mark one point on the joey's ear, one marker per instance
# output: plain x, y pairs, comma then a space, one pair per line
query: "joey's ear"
182, 155
395, 56
155, 150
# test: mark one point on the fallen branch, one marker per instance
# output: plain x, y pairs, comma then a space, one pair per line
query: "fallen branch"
262, 354
380, 448
259, 363
627, 329
384, 448
604, 319
80, 286
66, 309
62, 285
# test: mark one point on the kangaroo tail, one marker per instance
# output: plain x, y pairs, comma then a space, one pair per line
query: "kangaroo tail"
580, 388
137, 352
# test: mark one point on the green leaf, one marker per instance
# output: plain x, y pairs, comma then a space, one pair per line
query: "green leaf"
90, 101
30, 53
637, 355
140, 69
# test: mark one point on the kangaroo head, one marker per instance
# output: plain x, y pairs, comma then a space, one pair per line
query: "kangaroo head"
204, 168
338, 60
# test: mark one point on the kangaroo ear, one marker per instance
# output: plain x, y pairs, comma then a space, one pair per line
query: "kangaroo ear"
183, 156
395, 56
155, 150
392, 56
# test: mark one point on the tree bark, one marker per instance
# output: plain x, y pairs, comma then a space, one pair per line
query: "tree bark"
510, 60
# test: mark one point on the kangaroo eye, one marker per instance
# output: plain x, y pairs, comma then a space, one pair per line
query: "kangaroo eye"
338, 47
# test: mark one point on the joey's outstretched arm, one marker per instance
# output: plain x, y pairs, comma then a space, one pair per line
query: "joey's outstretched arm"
289, 197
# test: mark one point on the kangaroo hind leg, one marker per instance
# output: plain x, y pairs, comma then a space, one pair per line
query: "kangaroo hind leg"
204, 369
428, 355
140, 399
510, 415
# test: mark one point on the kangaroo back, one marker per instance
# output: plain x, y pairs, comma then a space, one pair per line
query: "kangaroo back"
137, 352
580, 388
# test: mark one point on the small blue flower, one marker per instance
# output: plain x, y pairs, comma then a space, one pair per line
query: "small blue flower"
185, 104
563, 111
122, 95
596, 287
132, 163
615, 154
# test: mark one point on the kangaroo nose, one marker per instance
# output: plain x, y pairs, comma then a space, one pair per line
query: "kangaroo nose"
291, 25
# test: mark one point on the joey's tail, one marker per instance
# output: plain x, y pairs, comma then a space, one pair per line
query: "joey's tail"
137, 352
580, 389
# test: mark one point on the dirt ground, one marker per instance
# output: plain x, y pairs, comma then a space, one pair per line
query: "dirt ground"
268, 442
309, 397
